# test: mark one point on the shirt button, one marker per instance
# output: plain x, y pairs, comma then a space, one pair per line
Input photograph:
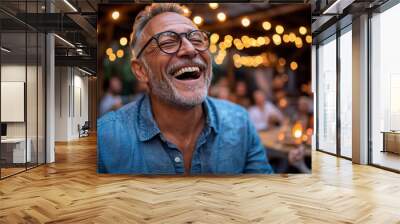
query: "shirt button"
177, 159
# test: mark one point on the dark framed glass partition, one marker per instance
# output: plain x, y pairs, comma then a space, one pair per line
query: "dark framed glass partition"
326, 95
334, 90
22, 77
384, 86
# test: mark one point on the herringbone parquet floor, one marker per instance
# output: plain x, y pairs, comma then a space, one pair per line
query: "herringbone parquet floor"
70, 191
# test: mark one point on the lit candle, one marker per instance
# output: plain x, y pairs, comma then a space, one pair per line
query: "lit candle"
297, 132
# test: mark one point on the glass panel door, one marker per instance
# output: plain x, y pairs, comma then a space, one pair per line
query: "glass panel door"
385, 89
14, 145
346, 93
327, 96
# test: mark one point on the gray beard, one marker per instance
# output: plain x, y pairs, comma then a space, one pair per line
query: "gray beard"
165, 90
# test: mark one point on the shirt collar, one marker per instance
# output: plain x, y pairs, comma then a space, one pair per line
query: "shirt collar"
211, 115
148, 127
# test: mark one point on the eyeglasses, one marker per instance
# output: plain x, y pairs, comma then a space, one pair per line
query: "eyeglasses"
170, 42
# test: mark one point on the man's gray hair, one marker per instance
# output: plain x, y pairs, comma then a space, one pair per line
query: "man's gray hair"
145, 16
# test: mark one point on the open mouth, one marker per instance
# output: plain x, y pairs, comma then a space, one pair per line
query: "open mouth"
187, 73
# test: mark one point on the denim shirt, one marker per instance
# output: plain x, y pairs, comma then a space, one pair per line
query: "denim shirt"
130, 142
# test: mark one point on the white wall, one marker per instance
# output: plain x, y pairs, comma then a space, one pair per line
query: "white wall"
71, 94
12, 73
33, 127
62, 82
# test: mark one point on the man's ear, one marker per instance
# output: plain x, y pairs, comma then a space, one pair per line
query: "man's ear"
139, 70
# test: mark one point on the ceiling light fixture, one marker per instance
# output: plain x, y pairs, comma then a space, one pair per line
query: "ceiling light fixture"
64, 40
337, 7
84, 71
5, 49
70, 5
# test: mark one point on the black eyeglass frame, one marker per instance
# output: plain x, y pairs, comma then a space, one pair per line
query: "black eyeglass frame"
156, 36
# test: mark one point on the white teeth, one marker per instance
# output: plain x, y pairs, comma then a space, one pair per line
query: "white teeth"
186, 69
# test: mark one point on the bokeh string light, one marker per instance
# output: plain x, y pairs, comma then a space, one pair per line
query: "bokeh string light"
219, 45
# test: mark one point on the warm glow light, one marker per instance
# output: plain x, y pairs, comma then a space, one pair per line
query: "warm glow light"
222, 46
237, 42
267, 40
219, 59
109, 51
222, 53
245, 38
213, 48
213, 5
297, 130
214, 38
293, 65
249, 61
277, 39
260, 41
186, 11
298, 42
120, 53
292, 37
302, 30
198, 20
258, 59
228, 43
279, 29
253, 42
309, 39
123, 41
228, 38
112, 57
245, 22
238, 65
266, 25
115, 15
221, 17
286, 38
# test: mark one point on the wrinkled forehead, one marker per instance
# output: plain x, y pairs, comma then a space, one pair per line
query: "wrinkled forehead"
168, 21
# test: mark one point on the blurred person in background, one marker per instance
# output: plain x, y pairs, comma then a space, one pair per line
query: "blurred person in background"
224, 93
241, 94
263, 113
112, 99
304, 112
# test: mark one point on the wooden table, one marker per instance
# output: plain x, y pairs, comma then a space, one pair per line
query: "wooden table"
13, 150
391, 141
270, 140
